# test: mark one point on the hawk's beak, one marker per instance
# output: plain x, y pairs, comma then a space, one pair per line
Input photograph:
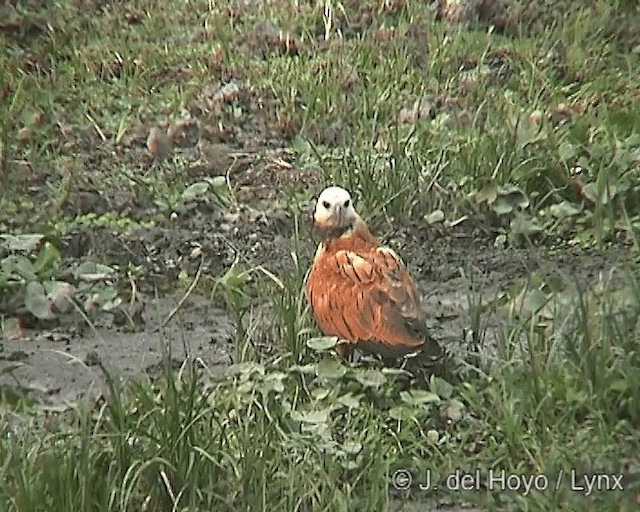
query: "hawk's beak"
339, 215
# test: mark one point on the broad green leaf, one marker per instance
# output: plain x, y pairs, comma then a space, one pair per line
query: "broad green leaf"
453, 410
322, 343
313, 417
502, 206
419, 396
434, 217
246, 387
564, 209
351, 448
371, 378
515, 196
195, 190
402, 413
330, 369
523, 224
60, 294
441, 387
247, 369
320, 393
433, 436
510, 199
19, 267
37, 303
307, 369
217, 181
22, 243
488, 194
89, 271
108, 297
567, 151
273, 382
529, 131
349, 401
47, 256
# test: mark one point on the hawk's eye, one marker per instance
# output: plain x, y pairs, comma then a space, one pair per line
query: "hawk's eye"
346, 203
326, 204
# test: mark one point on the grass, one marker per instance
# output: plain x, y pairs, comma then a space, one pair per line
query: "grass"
533, 138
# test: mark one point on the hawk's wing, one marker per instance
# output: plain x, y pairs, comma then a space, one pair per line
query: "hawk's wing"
366, 297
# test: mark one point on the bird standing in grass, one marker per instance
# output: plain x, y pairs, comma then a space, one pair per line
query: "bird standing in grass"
360, 291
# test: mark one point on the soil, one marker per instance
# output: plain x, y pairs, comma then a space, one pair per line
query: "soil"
58, 366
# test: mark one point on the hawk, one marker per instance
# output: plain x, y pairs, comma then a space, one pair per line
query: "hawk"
361, 291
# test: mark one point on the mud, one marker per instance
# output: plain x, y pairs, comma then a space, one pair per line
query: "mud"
59, 366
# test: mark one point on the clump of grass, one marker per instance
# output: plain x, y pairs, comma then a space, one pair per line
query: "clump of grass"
324, 435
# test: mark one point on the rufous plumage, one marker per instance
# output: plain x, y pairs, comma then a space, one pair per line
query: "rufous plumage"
360, 291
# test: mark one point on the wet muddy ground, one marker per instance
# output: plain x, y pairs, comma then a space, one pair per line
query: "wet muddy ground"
59, 365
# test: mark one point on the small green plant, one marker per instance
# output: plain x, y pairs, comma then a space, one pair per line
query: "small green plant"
30, 279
